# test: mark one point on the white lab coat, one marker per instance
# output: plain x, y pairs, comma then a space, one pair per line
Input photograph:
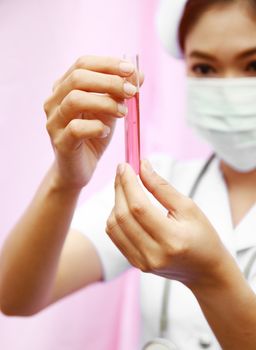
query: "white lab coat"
187, 325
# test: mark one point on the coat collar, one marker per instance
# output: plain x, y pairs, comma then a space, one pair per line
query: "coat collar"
212, 198
238, 238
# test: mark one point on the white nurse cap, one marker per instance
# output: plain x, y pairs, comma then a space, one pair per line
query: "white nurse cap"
168, 20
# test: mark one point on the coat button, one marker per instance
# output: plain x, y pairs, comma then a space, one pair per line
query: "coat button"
205, 341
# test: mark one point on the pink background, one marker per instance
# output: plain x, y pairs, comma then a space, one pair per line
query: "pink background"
38, 44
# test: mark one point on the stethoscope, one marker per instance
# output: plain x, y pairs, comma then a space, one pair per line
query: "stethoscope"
161, 342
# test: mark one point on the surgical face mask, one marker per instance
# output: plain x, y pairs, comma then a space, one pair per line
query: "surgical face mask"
223, 112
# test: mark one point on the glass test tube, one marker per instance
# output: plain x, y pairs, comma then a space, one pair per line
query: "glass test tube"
132, 123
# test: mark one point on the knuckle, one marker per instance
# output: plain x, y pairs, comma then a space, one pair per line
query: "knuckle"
121, 216
110, 224
154, 262
188, 204
110, 105
57, 144
144, 267
137, 209
159, 184
170, 249
111, 83
147, 261
133, 259
60, 110
55, 84
46, 106
72, 99
98, 125
75, 78
116, 184
163, 183
82, 61
177, 248
48, 126
107, 230
138, 260
182, 247
73, 127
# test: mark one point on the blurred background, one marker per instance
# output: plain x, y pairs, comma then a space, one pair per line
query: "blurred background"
39, 41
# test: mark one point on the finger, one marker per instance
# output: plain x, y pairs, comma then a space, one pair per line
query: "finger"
170, 198
133, 79
86, 80
77, 131
151, 219
78, 102
101, 64
153, 234
121, 241
130, 226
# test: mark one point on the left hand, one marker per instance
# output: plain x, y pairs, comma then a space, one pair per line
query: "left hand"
181, 245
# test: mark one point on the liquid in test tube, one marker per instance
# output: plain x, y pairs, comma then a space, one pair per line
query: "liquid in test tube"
132, 125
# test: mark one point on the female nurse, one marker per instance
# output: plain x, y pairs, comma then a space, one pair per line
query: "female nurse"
196, 256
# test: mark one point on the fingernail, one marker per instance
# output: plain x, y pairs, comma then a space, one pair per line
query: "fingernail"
148, 166
130, 89
105, 132
126, 67
120, 169
122, 109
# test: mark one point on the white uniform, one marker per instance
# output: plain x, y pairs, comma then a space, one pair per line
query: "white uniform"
187, 325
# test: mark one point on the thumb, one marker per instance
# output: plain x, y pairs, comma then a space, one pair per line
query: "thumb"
160, 188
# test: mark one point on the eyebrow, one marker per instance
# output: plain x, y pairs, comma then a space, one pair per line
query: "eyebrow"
203, 55
207, 56
247, 53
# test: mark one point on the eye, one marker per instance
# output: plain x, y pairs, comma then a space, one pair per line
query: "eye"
203, 69
251, 67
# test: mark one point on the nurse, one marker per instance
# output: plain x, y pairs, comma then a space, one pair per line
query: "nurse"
198, 254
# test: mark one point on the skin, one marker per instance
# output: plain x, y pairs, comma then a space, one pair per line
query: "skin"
184, 246
42, 260
208, 55
45, 261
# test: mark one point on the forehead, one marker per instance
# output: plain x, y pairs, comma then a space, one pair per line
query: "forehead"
223, 29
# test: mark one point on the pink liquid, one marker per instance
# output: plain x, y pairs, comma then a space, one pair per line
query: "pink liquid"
132, 133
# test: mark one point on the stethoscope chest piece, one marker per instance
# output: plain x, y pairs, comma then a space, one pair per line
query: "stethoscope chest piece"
160, 344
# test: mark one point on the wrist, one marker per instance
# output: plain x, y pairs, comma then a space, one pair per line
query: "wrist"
229, 304
58, 183
225, 278
62, 181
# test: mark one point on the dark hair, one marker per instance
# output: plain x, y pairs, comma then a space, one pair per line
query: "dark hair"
195, 8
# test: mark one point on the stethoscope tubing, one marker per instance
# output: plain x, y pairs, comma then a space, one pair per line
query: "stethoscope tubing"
167, 286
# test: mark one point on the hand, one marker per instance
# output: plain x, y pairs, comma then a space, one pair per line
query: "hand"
181, 245
82, 112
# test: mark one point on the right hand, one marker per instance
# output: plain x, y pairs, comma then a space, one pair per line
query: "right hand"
81, 115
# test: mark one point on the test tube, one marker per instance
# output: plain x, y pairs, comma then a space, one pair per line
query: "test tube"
132, 122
